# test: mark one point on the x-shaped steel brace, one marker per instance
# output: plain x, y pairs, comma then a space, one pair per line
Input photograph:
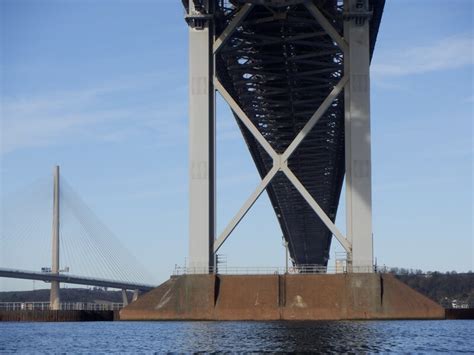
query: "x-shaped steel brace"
280, 161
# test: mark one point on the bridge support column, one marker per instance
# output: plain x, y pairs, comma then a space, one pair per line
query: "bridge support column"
124, 297
201, 137
54, 294
135, 295
357, 136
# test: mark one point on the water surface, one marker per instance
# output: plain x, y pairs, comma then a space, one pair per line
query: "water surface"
148, 337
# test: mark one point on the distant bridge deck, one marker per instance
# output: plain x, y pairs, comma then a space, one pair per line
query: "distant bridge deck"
72, 279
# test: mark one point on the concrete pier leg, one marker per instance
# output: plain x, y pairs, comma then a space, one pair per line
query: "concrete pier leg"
357, 137
135, 295
201, 139
124, 298
54, 300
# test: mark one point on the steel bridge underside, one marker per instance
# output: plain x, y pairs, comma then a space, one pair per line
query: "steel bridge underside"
279, 65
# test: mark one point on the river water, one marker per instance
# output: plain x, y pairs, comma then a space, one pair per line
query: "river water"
447, 336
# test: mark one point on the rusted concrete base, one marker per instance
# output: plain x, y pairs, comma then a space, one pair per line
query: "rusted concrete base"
282, 297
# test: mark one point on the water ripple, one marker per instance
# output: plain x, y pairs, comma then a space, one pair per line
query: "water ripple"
255, 337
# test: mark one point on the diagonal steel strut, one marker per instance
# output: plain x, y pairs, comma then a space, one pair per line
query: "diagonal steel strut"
231, 27
280, 161
245, 208
326, 25
316, 208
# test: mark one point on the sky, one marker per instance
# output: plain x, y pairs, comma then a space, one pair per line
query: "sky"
100, 88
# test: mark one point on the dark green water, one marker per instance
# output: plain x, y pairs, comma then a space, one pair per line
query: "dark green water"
149, 337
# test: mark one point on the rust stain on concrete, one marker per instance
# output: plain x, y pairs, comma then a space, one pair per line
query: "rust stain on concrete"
284, 297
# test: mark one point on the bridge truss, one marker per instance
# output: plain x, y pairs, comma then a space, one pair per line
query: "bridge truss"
296, 75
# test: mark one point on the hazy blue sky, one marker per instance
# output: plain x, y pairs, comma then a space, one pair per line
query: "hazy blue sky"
100, 87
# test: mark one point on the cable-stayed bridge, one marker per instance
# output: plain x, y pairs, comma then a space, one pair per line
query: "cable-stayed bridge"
50, 234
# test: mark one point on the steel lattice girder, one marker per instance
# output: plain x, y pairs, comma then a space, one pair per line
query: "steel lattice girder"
279, 65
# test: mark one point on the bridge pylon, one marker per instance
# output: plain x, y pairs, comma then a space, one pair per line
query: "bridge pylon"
54, 297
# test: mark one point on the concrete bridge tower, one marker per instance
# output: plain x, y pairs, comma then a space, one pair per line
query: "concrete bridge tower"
54, 295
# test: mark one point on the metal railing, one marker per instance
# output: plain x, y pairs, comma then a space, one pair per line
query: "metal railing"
70, 306
264, 270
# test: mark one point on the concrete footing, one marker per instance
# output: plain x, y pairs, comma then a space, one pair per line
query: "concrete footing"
282, 297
